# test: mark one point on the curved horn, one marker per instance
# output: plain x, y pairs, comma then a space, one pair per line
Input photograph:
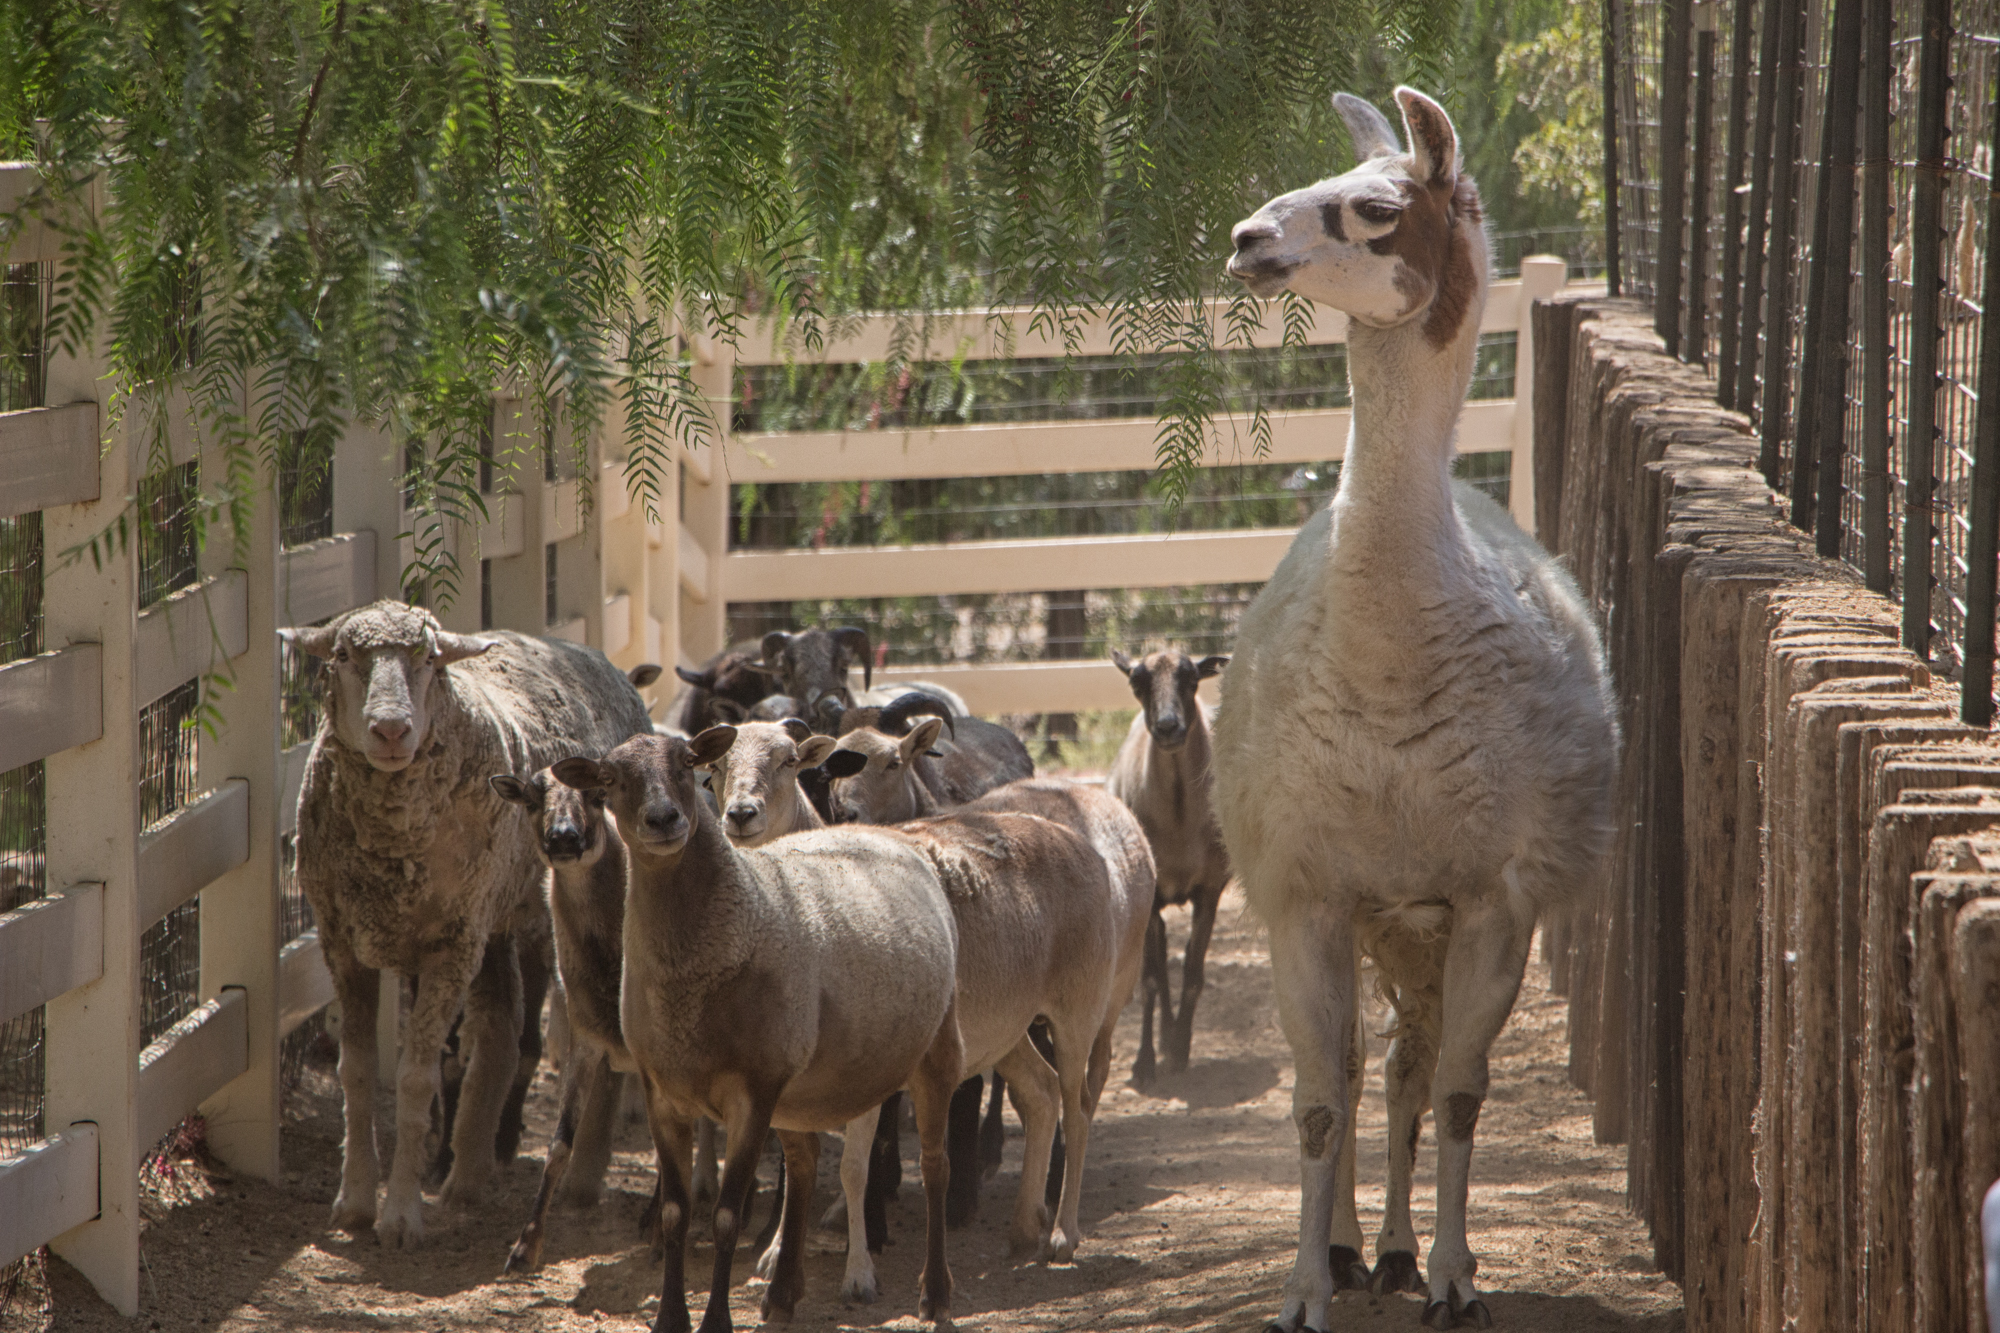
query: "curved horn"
895, 719
845, 638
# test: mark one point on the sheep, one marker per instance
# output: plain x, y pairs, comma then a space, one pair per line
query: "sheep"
883, 774
411, 862
756, 781
1417, 748
586, 898
734, 674
812, 664
1162, 773
790, 987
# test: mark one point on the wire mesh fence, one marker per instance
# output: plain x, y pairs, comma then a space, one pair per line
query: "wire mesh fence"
24, 305
1834, 276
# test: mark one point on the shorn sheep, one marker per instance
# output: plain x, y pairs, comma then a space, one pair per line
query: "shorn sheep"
1417, 745
412, 863
790, 988
1163, 772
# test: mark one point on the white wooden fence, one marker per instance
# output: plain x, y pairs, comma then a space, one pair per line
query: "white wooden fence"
641, 591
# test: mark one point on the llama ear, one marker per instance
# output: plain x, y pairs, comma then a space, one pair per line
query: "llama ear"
1433, 142
1367, 128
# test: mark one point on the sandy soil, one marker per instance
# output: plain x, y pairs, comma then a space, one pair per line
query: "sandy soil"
1190, 1216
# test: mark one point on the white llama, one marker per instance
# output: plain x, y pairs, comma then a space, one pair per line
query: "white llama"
1417, 744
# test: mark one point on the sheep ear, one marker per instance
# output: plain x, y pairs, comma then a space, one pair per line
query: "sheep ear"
710, 746
774, 643
582, 773
510, 788
844, 763
1433, 142
796, 728
1210, 666
814, 750
451, 647
922, 737
643, 675
701, 680
315, 640
1122, 662
1367, 128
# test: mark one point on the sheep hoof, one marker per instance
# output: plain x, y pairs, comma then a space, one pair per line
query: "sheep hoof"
1395, 1270
400, 1227
774, 1313
348, 1217
1142, 1069
1349, 1273
1063, 1248
861, 1290
464, 1189
525, 1257
1025, 1245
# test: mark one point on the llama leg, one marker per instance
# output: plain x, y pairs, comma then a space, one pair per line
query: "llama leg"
749, 1123
580, 1088
1408, 1069
1344, 1253
1036, 1094
671, 1144
856, 1158
1482, 975
788, 1283
931, 1085
1180, 1040
1313, 966
1153, 988
359, 989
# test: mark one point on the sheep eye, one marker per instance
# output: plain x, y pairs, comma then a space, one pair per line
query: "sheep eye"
895, 764
340, 654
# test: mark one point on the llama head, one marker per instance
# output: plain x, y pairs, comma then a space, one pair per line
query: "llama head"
1396, 239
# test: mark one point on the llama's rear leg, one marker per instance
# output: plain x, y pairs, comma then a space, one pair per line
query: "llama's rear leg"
1153, 991
1482, 975
1313, 967
1179, 1037
1350, 1272
1407, 1071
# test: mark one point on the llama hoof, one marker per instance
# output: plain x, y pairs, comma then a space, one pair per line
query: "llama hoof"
463, 1189
860, 1289
1438, 1315
349, 1216
400, 1226
1349, 1273
1475, 1314
1026, 1245
1395, 1270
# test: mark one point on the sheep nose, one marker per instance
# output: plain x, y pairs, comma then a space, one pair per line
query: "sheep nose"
741, 813
564, 841
389, 729
1247, 234
663, 823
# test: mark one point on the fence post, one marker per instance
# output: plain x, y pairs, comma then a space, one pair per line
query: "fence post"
1873, 265
1542, 276
1926, 279
1668, 296
1761, 168
241, 917
1612, 283
1727, 319
1783, 238
1701, 179
92, 1032
705, 523
1982, 545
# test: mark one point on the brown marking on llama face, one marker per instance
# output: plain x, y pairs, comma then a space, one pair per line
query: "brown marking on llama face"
1437, 267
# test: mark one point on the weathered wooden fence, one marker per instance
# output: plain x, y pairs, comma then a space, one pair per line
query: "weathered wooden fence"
1786, 1004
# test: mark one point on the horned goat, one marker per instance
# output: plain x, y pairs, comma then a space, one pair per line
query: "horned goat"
883, 773
1417, 746
412, 863
1163, 773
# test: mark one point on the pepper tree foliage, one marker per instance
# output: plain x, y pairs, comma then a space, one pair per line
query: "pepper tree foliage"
316, 211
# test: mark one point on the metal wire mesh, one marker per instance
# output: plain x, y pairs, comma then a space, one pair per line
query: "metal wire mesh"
24, 305
170, 952
23, 826
167, 532
305, 489
1636, 39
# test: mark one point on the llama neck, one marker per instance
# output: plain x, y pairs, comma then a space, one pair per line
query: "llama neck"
1394, 500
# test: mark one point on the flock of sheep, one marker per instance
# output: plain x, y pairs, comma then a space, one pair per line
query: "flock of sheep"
777, 929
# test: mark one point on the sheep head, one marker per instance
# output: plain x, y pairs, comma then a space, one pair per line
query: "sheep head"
649, 785
875, 775
385, 659
570, 828
1165, 685
756, 779
812, 664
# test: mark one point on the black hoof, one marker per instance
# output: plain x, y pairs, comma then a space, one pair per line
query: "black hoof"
1142, 1076
1349, 1273
1438, 1315
1396, 1270
1475, 1313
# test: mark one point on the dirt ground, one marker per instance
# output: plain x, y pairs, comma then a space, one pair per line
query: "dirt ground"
1190, 1215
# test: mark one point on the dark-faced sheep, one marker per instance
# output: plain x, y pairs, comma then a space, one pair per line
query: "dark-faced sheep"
411, 863
1162, 772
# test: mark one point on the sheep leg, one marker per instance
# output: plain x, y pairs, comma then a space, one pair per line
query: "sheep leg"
359, 989
580, 1087
1179, 1038
400, 1222
1072, 1070
537, 963
992, 1131
1488, 953
590, 1154
1035, 1092
1408, 1069
962, 1137
492, 1028
671, 1144
856, 1168
1038, 1033
705, 1152
885, 1171
1344, 1257
1154, 988
1313, 968
788, 1283
749, 1120
931, 1085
